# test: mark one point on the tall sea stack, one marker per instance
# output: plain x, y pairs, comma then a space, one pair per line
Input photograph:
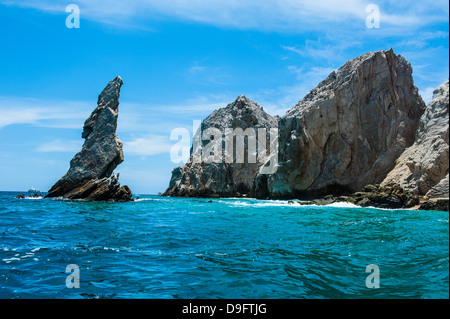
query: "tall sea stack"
90, 175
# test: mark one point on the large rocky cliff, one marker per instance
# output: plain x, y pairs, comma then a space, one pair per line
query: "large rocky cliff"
423, 167
208, 173
348, 131
363, 126
90, 174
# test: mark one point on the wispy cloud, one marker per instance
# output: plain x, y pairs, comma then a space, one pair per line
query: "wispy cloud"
46, 113
148, 146
134, 118
195, 69
24, 116
324, 49
299, 15
306, 78
203, 74
426, 72
422, 39
61, 146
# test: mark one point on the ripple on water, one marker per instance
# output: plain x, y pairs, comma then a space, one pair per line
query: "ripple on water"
231, 248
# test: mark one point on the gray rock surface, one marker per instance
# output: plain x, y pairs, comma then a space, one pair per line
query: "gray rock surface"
90, 174
422, 167
440, 190
202, 175
348, 131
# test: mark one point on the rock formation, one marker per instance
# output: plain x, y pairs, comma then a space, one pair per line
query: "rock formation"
440, 190
363, 132
389, 196
438, 204
423, 167
214, 169
90, 175
348, 131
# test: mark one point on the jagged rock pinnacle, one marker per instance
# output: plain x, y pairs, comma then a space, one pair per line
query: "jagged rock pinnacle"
89, 176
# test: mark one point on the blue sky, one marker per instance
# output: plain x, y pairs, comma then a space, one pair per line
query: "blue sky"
180, 60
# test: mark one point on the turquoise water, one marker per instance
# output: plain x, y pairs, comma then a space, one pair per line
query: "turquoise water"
162, 247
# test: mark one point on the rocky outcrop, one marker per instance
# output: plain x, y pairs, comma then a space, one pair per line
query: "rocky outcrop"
348, 131
423, 167
215, 167
389, 196
440, 190
90, 175
363, 135
438, 204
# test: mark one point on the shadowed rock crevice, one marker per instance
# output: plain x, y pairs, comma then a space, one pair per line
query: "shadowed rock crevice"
90, 175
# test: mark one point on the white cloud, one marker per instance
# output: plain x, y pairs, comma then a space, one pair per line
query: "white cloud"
321, 52
421, 39
328, 48
300, 15
134, 118
61, 146
45, 113
196, 69
289, 95
148, 146
24, 116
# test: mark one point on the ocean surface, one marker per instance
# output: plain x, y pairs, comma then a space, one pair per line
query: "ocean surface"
159, 247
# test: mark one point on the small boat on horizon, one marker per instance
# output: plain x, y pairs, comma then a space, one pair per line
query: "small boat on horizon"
33, 190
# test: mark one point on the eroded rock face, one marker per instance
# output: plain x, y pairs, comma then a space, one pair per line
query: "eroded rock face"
439, 205
89, 176
348, 131
423, 167
440, 190
203, 175
388, 196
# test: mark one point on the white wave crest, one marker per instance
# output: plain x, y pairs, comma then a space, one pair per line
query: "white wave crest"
343, 205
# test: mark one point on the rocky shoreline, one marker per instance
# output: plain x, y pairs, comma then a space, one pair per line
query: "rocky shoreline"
388, 197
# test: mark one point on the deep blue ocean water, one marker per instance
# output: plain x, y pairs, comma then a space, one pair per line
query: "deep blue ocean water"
159, 247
